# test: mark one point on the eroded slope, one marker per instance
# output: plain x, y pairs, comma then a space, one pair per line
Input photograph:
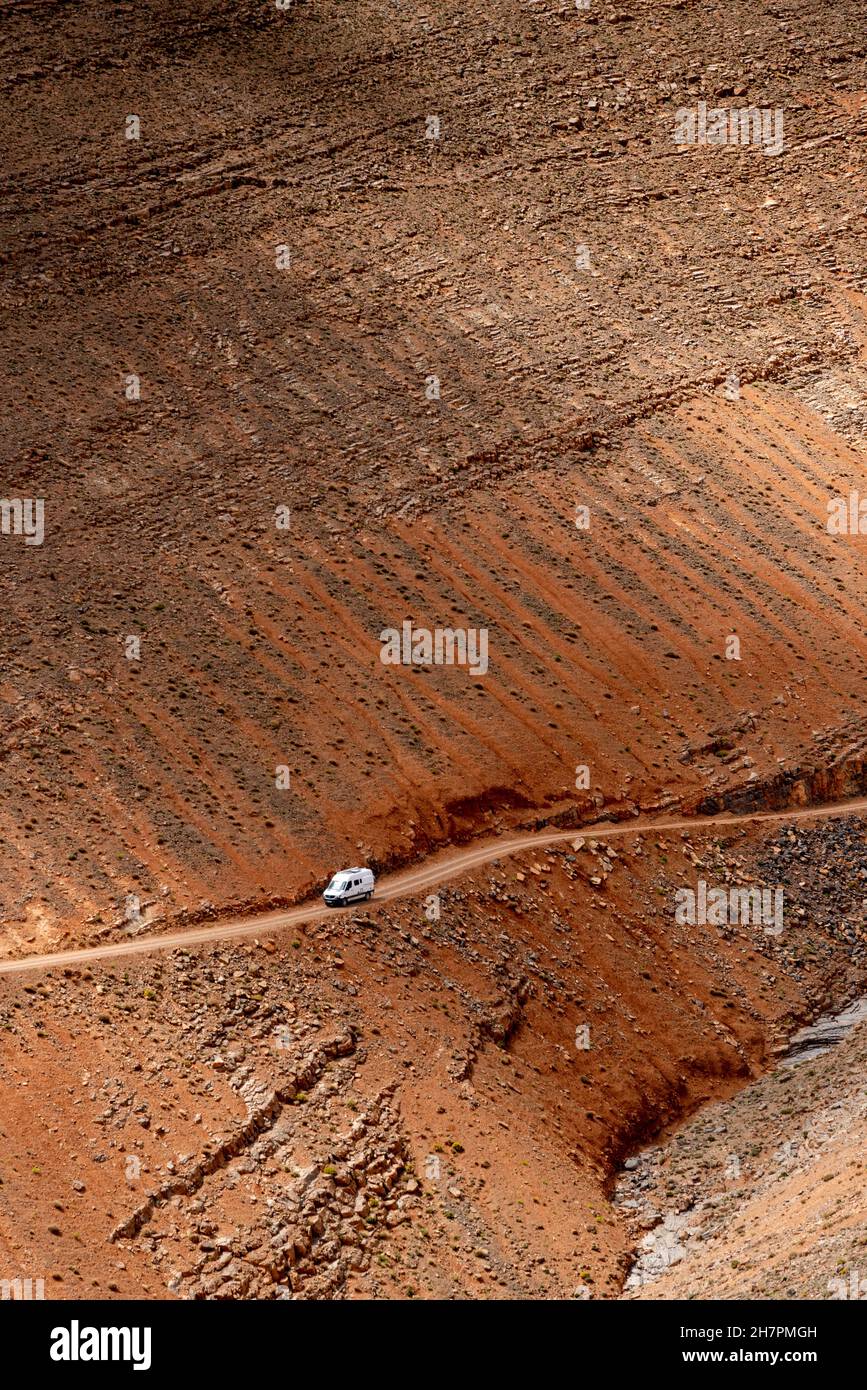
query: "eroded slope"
602, 383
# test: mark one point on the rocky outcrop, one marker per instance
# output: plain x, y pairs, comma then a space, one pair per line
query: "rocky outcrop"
263, 1111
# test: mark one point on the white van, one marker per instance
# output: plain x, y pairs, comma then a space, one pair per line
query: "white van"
350, 886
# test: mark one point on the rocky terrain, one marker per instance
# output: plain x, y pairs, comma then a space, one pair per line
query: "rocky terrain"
763, 1196
319, 320
426, 1099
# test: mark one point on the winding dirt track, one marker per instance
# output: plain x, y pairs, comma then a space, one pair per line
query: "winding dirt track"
435, 871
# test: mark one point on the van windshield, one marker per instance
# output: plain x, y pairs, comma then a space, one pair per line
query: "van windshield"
337, 884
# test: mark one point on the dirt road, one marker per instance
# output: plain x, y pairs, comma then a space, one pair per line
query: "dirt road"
431, 874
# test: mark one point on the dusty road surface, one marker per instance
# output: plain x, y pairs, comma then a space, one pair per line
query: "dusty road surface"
410, 882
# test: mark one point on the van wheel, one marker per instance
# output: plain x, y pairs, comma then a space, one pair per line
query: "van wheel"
367, 897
